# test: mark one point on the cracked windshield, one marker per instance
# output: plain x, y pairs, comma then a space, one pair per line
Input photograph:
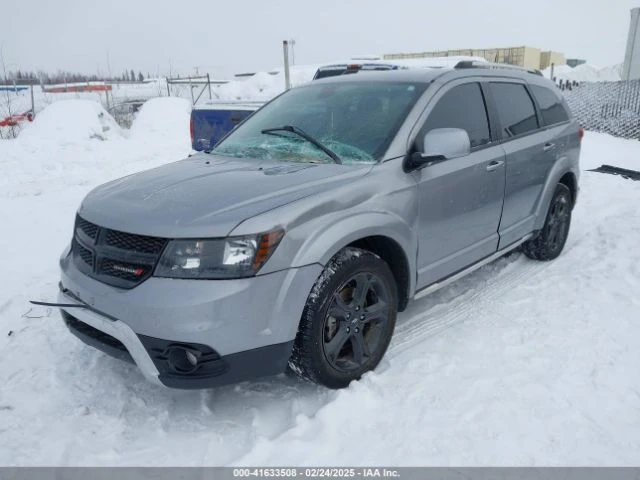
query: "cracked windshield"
325, 123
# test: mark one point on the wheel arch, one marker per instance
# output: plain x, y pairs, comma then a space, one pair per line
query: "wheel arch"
569, 179
380, 233
391, 252
562, 172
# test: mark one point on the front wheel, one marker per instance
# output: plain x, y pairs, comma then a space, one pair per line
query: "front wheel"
549, 242
348, 320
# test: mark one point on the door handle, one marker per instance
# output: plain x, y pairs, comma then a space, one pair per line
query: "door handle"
548, 146
494, 165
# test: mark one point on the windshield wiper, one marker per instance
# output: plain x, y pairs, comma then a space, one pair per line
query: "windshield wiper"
301, 133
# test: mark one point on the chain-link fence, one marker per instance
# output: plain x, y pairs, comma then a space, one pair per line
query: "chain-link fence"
610, 107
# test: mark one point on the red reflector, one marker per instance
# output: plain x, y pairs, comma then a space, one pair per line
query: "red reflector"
580, 133
191, 130
139, 271
354, 66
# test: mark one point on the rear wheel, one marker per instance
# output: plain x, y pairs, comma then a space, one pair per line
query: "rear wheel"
549, 242
348, 320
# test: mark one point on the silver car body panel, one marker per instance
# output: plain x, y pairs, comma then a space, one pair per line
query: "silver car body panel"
117, 329
228, 315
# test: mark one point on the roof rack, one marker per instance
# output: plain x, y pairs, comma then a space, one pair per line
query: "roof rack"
501, 66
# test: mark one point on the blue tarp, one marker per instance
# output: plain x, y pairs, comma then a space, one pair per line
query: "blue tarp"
11, 88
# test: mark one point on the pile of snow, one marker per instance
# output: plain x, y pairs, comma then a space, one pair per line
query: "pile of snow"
585, 73
263, 86
162, 118
73, 142
71, 121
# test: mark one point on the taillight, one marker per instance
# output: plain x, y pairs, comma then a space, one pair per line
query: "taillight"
191, 131
580, 133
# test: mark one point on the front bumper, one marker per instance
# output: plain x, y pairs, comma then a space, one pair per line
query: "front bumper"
241, 329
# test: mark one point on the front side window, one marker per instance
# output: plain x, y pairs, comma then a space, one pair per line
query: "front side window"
461, 107
550, 105
515, 108
355, 120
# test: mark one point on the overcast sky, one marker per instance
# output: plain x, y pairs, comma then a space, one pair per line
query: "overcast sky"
226, 37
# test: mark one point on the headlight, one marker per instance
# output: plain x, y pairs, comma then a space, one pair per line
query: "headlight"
233, 257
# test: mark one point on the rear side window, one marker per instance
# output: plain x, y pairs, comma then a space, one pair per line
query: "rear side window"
461, 107
515, 108
550, 105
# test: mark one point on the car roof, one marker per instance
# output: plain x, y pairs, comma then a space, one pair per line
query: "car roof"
428, 75
408, 75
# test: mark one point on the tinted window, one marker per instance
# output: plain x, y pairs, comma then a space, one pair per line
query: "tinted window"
461, 107
550, 105
515, 107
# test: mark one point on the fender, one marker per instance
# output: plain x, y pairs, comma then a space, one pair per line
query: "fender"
325, 241
562, 166
322, 246
317, 240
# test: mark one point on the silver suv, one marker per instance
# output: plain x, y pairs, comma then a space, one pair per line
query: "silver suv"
297, 239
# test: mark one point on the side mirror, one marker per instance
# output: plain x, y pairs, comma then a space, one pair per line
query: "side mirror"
438, 145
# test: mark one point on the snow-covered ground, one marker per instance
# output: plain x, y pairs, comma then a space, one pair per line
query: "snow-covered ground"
521, 363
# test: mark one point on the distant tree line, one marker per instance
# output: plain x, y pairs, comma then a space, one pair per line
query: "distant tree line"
20, 77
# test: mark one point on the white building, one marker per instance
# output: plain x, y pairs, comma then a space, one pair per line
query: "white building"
631, 69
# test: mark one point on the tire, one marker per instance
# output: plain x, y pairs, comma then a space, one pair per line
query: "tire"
348, 320
550, 241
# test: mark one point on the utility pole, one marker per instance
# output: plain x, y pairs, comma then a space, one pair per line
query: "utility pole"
292, 42
285, 50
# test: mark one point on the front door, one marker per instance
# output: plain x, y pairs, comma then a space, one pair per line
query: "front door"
460, 199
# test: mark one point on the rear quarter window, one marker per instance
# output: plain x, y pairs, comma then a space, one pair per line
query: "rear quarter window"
515, 108
550, 104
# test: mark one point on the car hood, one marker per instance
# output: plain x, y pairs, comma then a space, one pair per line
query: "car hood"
207, 196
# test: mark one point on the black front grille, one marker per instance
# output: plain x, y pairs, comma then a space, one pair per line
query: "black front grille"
84, 253
117, 258
137, 243
89, 229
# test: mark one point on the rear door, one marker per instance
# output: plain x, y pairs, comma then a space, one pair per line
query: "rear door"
528, 156
461, 198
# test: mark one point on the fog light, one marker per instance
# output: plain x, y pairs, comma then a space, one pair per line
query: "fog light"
182, 360
193, 360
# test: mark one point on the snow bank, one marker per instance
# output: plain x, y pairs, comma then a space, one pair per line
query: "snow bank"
586, 73
70, 121
264, 86
162, 118
74, 142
